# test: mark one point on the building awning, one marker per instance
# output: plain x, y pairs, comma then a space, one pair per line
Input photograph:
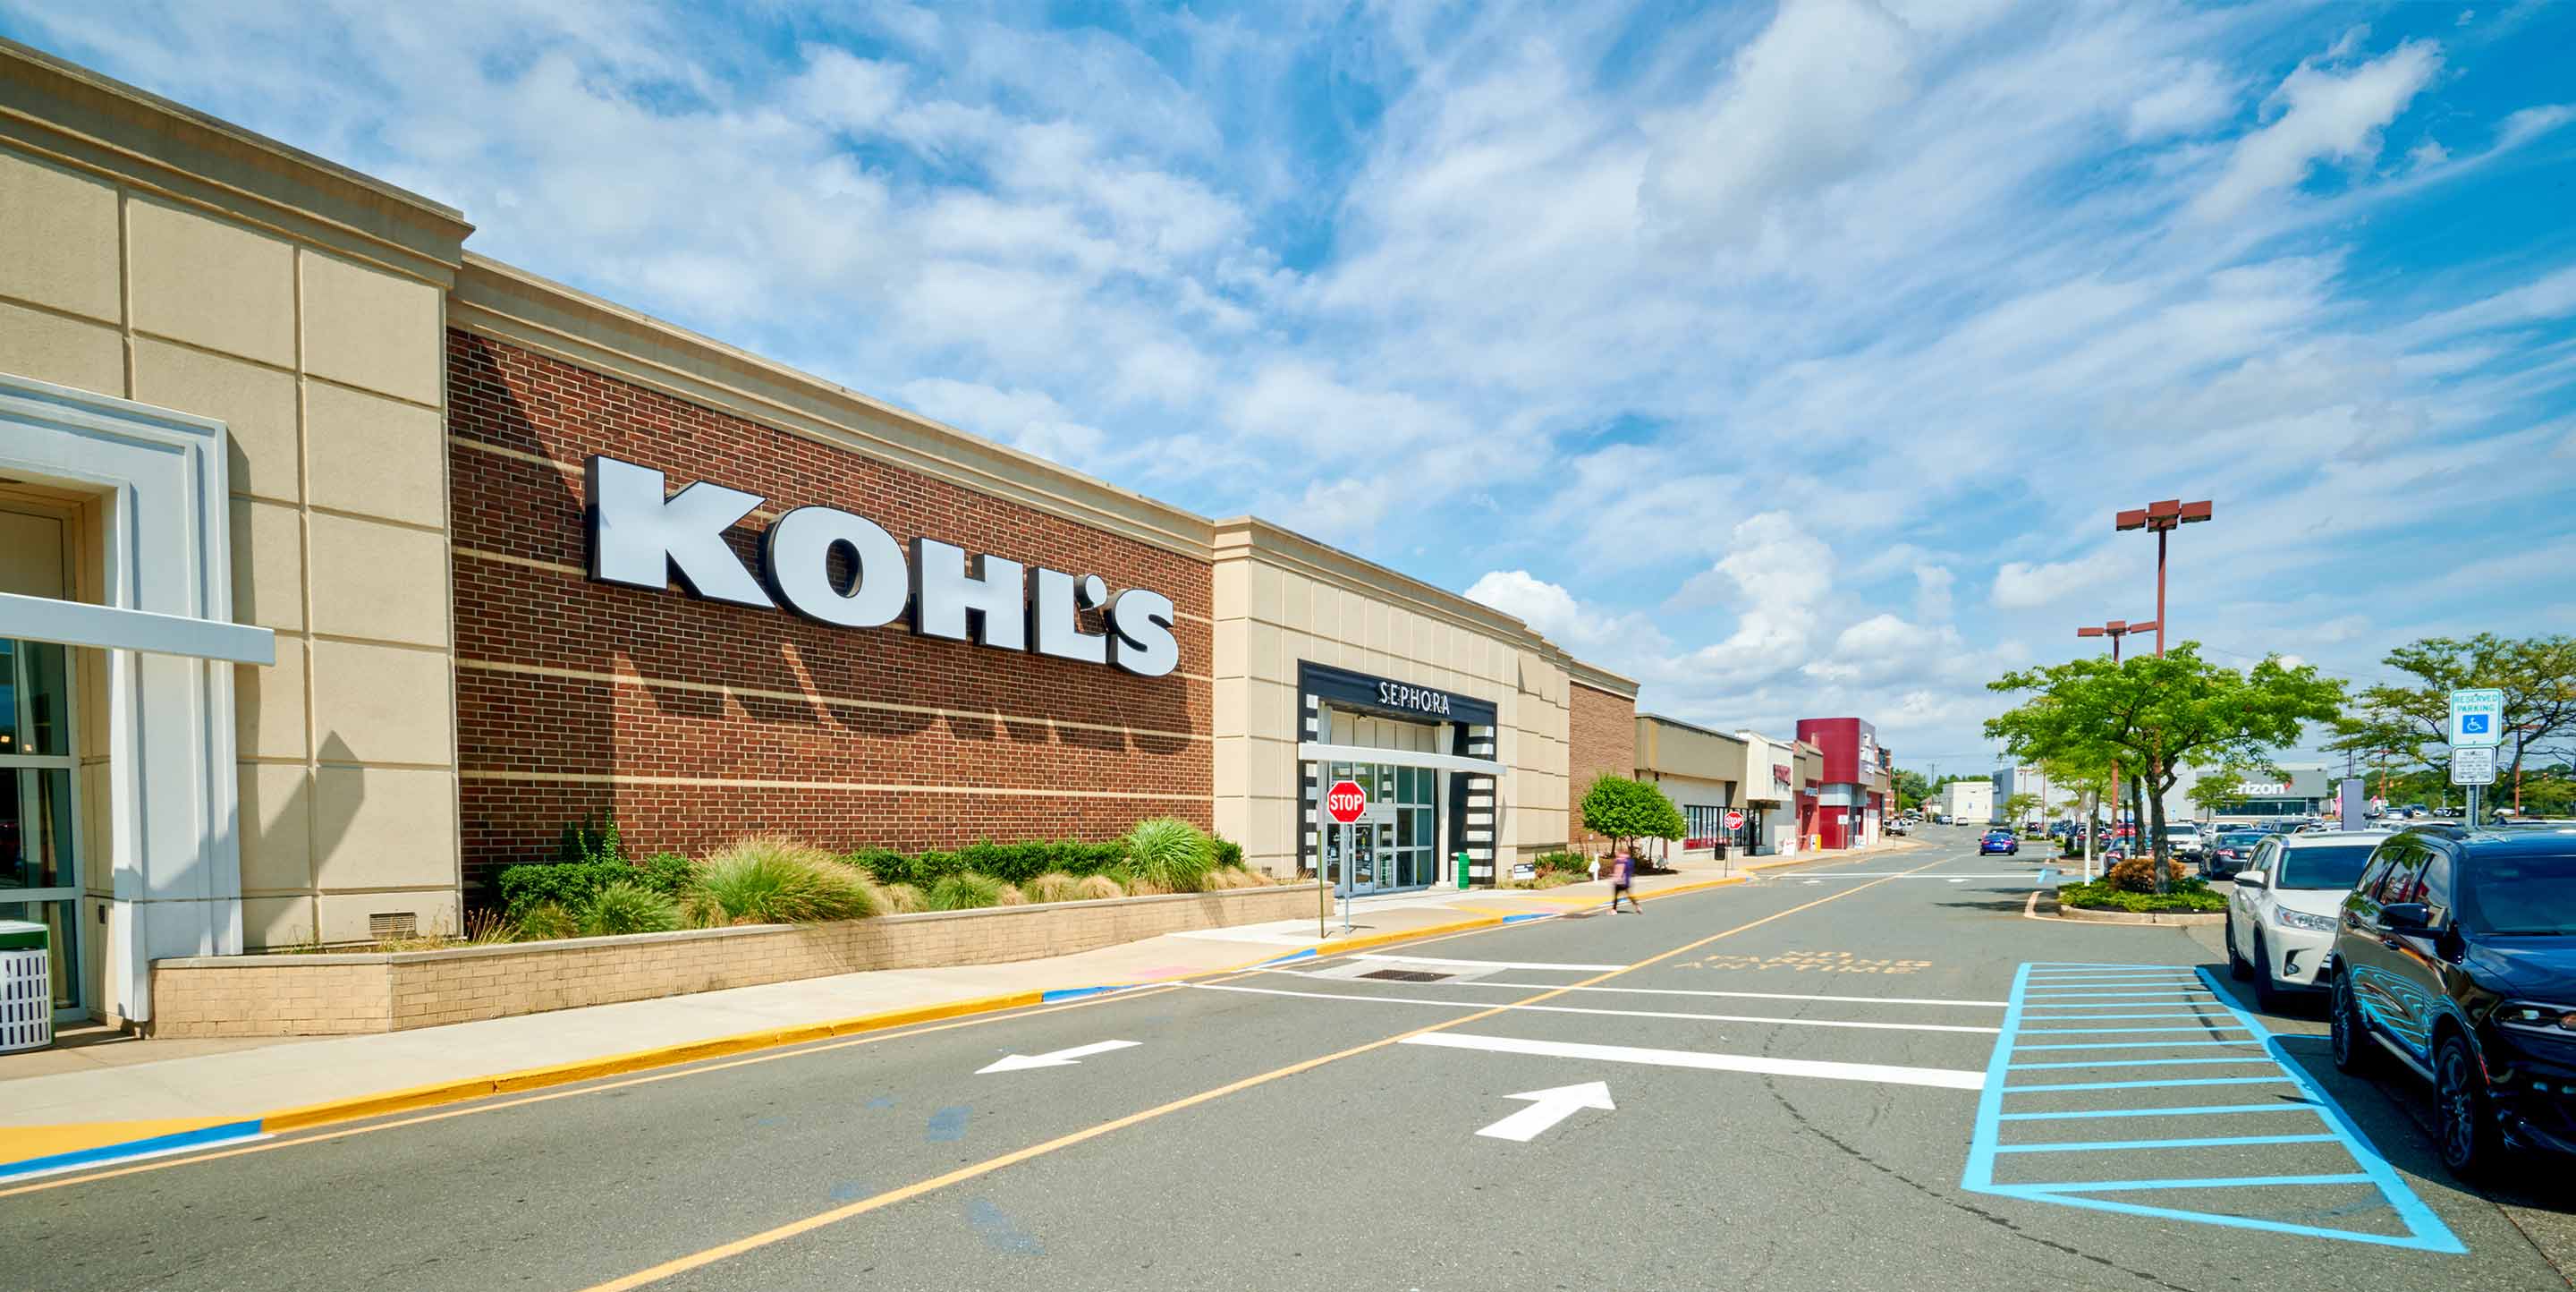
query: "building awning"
1318, 752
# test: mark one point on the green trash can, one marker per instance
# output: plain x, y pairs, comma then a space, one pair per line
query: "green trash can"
26, 987
1463, 880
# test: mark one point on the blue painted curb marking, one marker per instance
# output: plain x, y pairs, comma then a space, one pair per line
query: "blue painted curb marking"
2424, 1231
1307, 954
201, 1137
1076, 993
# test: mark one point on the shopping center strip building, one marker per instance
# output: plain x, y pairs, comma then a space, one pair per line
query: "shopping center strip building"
341, 566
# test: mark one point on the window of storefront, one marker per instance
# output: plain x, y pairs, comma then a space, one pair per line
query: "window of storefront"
39, 838
1702, 821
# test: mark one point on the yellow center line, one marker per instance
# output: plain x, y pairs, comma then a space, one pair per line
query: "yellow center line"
723, 1251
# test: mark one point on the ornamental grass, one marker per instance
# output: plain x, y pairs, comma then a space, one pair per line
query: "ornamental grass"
769, 879
967, 891
1055, 886
1171, 854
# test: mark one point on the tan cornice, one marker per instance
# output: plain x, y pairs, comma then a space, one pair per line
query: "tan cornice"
1242, 537
512, 305
79, 118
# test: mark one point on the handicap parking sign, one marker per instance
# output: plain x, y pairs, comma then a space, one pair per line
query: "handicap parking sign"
2477, 717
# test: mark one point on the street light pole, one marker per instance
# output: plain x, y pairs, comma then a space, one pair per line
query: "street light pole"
2163, 518
2115, 630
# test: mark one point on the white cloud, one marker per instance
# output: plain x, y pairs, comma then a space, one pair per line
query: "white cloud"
2195, 96
2324, 116
1932, 587
1801, 108
1615, 639
1777, 575
2022, 585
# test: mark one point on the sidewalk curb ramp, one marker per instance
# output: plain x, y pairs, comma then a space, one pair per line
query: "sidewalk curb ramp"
219, 1131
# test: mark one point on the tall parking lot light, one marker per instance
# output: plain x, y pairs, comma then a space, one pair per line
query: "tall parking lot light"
2163, 518
2115, 630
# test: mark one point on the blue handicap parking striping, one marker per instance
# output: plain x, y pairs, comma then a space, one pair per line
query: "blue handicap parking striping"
2036, 990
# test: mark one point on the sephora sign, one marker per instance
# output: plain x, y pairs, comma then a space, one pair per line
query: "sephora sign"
641, 537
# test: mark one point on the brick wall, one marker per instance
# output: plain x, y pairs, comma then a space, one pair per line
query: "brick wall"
1601, 736
698, 722
327, 995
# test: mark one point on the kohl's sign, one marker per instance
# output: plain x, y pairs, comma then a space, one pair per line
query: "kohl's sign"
642, 537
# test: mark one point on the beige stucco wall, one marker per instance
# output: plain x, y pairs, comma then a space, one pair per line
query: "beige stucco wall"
152, 255
1280, 598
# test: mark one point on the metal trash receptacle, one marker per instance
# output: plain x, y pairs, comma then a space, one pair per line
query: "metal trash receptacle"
26, 987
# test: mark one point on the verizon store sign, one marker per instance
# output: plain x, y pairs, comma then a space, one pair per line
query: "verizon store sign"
644, 537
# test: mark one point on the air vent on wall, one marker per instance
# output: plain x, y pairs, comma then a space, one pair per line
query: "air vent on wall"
396, 924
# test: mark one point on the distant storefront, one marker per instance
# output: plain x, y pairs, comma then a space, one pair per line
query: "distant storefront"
1851, 799
1701, 771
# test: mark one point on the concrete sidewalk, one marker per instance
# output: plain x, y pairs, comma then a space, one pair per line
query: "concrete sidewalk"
122, 1097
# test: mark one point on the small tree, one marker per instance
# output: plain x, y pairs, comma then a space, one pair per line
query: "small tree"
1623, 810
2160, 714
2018, 807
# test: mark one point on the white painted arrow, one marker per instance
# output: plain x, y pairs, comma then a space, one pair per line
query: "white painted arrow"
1547, 1108
1053, 1058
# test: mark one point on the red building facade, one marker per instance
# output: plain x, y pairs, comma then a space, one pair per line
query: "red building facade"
1851, 795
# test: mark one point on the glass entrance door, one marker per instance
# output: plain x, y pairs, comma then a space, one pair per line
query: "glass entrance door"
1397, 848
39, 845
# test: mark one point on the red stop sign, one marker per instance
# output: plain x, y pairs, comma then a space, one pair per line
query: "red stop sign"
1345, 801
1734, 820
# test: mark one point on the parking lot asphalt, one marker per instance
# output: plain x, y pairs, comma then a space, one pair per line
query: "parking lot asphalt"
1863, 1074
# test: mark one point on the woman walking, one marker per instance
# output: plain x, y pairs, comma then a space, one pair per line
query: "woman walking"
1623, 869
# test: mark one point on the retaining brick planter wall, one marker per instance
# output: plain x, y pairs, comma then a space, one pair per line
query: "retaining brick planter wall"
328, 995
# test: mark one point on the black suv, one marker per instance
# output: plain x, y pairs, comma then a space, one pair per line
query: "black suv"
2457, 954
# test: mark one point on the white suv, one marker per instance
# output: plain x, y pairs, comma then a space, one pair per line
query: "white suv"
2281, 918
2183, 839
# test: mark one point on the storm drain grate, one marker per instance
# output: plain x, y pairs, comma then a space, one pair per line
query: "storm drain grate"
1405, 975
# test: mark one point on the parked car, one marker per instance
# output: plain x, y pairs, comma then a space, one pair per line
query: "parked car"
1999, 840
2183, 839
1898, 826
2281, 918
1942, 817
2232, 851
2457, 954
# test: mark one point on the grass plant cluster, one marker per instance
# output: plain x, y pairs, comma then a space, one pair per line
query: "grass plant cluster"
592, 890
2188, 895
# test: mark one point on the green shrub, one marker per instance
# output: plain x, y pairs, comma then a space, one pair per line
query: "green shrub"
2100, 895
667, 873
965, 891
629, 907
1229, 854
1015, 863
1170, 854
1571, 863
593, 838
771, 880
545, 922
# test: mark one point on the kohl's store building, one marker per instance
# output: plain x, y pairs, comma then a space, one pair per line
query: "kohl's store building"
340, 566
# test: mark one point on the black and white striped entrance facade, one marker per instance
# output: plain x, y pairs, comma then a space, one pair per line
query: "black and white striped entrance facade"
1464, 751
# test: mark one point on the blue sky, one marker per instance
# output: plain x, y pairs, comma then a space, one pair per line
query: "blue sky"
1790, 358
